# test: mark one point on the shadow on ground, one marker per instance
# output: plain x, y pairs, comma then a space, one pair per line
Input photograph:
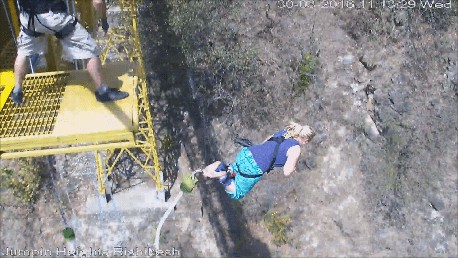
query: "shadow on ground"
168, 78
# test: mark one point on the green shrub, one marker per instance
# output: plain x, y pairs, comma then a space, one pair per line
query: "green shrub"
24, 183
305, 70
69, 234
277, 226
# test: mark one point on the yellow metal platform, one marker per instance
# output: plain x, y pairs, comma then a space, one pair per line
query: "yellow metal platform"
60, 109
61, 114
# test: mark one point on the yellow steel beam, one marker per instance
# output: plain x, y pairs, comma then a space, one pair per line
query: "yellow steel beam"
14, 16
101, 175
41, 141
143, 94
6, 86
130, 47
87, 14
66, 150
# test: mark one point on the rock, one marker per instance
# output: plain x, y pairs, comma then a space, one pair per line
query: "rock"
451, 60
434, 102
370, 129
367, 60
310, 162
450, 75
346, 60
380, 97
399, 99
370, 103
271, 13
357, 87
436, 202
385, 114
370, 89
399, 79
400, 18
319, 138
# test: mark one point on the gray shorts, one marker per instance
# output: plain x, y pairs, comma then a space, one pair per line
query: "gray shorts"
78, 45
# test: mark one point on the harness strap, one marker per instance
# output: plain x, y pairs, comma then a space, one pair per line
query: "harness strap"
278, 140
61, 34
233, 174
30, 29
34, 10
31, 33
67, 29
250, 176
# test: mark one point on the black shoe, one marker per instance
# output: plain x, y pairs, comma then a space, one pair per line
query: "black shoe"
110, 94
17, 97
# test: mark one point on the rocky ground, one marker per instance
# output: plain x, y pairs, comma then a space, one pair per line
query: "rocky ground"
379, 179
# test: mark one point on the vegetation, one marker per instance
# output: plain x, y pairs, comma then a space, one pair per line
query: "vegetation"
206, 42
305, 70
277, 226
69, 234
168, 143
25, 183
222, 69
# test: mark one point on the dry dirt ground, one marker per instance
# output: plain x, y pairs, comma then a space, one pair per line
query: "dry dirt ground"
379, 179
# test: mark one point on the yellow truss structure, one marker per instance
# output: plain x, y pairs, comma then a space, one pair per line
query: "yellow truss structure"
60, 113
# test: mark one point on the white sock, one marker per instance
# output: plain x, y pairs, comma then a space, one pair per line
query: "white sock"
17, 89
102, 89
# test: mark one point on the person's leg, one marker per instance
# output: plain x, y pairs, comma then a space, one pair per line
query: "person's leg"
94, 68
210, 171
241, 185
231, 187
80, 45
20, 70
26, 46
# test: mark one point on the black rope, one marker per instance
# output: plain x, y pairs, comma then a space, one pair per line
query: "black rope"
36, 16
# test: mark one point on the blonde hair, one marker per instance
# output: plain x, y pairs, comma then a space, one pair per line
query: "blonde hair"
297, 130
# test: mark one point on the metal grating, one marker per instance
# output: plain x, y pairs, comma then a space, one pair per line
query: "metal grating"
37, 115
8, 55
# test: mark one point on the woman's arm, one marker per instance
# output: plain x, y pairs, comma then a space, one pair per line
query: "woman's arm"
292, 156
